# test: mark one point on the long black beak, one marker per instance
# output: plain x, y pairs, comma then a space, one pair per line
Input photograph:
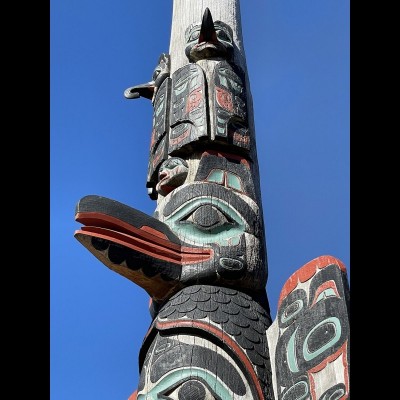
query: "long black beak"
207, 31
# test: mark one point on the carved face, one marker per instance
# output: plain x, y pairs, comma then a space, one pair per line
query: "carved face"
208, 39
190, 368
172, 173
211, 215
312, 333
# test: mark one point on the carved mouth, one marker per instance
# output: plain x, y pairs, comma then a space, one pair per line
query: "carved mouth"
208, 50
135, 245
163, 175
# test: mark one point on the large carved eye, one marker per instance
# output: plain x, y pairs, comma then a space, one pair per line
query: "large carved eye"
207, 220
188, 384
190, 390
195, 389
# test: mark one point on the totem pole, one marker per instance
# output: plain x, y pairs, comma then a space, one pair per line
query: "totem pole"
201, 257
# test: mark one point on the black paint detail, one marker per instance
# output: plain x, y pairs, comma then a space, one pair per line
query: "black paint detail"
185, 194
159, 137
321, 336
208, 216
331, 272
192, 390
320, 328
230, 268
113, 208
184, 355
228, 89
336, 392
237, 314
209, 39
298, 390
292, 308
100, 244
134, 260
211, 162
188, 113
116, 253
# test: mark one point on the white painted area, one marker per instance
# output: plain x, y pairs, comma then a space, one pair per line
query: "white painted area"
331, 375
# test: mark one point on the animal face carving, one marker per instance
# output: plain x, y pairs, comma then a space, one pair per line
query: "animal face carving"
209, 39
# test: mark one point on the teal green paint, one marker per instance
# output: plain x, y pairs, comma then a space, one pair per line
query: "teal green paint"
303, 396
216, 176
220, 120
228, 234
168, 381
161, 106
326, 293
291, 353
234, 181
285, 318
336, 395
335, 321
222, 80
180, 87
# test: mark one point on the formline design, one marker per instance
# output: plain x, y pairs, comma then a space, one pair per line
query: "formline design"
201, 256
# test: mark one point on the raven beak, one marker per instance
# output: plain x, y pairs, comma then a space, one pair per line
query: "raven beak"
207, 31
145, 90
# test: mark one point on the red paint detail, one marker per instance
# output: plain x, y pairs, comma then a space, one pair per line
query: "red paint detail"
228, 156
326, 285
224, 338
306, 272
185, 256
341, 351
109, 222
153, 140
133, 396
154, 232
182, 136
224, 99
194, 99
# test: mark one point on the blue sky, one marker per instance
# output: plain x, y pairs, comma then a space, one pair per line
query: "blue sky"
298, 63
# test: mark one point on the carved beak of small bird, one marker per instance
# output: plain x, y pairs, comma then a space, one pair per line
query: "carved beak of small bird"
145, 90
210, 39
207, 31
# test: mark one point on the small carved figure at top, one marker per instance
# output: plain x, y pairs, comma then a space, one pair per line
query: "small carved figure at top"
172, 173
209, 39
149, 89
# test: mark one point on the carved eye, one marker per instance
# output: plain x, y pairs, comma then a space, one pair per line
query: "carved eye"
222, 35
194, 36
206, 220
192, 389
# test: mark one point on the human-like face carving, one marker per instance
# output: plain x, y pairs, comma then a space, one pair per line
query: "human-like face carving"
172, 173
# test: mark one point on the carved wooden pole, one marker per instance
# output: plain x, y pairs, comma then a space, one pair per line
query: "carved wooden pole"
202, 256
